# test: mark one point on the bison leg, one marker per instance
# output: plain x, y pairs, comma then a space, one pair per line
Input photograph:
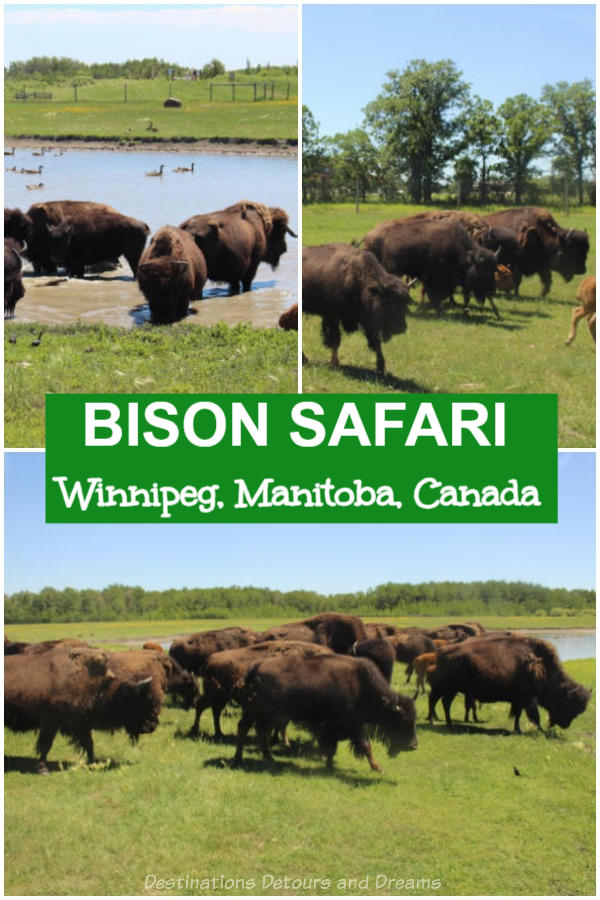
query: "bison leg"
495, 308
470, 707
591, 325
201, 705
533, 714
362, 746
244, 726
216, 711
263, 733
374, 343
84, 741
409, 671
234, 288
578, 314
447, 703
546, 278
434, 696
332, 336
44, 743
328, 746
249, 278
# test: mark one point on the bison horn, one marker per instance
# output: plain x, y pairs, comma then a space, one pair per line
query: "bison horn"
411, 283
138, 685
497, 251
569, 233
289, 231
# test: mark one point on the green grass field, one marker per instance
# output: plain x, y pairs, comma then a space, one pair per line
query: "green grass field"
171, 807
465, 352
102, 359
100, 110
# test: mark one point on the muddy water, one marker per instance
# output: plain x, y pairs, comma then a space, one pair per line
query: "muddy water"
118, 178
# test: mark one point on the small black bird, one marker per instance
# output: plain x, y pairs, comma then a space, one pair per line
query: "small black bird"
516, 771
13, 339
38, 340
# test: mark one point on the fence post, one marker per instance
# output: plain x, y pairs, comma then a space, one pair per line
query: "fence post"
210, 91
264, 90
75, 92
125, 94
272, 89
255, 92
288, 91
233, 91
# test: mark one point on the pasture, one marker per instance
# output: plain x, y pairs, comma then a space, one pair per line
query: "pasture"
154, 359
465, 352
101, 112
452, 815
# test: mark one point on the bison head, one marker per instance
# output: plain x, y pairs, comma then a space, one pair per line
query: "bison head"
59, 238
566, 701
388, 298
570, 257
17, 225
276, 244
397, 726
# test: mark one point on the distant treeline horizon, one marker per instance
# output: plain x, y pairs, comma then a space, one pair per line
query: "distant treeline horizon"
119, 602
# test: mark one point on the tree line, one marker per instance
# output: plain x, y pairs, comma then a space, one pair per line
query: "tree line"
57, 69
425, 132
119, 602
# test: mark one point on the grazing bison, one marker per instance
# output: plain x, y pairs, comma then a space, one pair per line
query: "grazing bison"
543, 245
76, 689
520, 670
347, 286
171, 273
75, 234
334, 630
192, 652
237, 239
424, 666
381, 630
336, 697
223, 674
457, 631
440, 253
587, 294
408, 646
380, 652
504, 279
180, 682
13, 282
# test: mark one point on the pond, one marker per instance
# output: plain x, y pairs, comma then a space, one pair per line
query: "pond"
570, 644
117, 177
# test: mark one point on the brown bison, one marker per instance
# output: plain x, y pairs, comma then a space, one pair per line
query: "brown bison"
13, 282
75, 234
191, 652
334, 630
380, 652
381, 630
152, 645
288, 320
237, 239
27, 649
223, 674
347, 286
520, 670
171, 273
457, 631
586, 293
408, 646
543, 245
75, 690
442, 254
335, 697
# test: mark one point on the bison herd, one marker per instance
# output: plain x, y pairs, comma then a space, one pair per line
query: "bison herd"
446, 250
225, 246
330, 674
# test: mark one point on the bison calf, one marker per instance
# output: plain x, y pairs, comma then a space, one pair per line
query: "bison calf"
347, 286
587, 294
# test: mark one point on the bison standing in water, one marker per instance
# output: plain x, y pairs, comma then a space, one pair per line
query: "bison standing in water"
76, 690
13, 282
75, 234
171, 273
237, 239
543, 245
519, 670
347, 286
336, 697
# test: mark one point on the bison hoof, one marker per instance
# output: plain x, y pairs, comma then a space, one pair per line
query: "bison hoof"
42, 768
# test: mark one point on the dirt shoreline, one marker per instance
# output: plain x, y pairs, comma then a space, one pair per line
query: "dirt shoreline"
226, 146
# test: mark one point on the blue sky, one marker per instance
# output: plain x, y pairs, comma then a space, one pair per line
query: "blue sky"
502, 50
325, 558
190, 35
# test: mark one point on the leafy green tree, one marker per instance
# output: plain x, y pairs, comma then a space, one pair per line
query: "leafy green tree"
418, 119
465, 174
526, 128
482, 127
314, 156
573, 111
356, 161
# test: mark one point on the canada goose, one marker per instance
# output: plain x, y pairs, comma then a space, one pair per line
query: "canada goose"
156, 171
12, 169
34, 187
38, 152
37, 171
38, 340
9, 152
184, 168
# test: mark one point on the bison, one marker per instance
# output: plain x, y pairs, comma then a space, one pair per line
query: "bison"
288, 320
75, 234
13, 282
380, 652
192, 652
517, 669
408, 646
77, 689
223, 674
334, 630
587, 294
543, 245
237, 239
336, 697
440, 253
171, 273
347, 286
